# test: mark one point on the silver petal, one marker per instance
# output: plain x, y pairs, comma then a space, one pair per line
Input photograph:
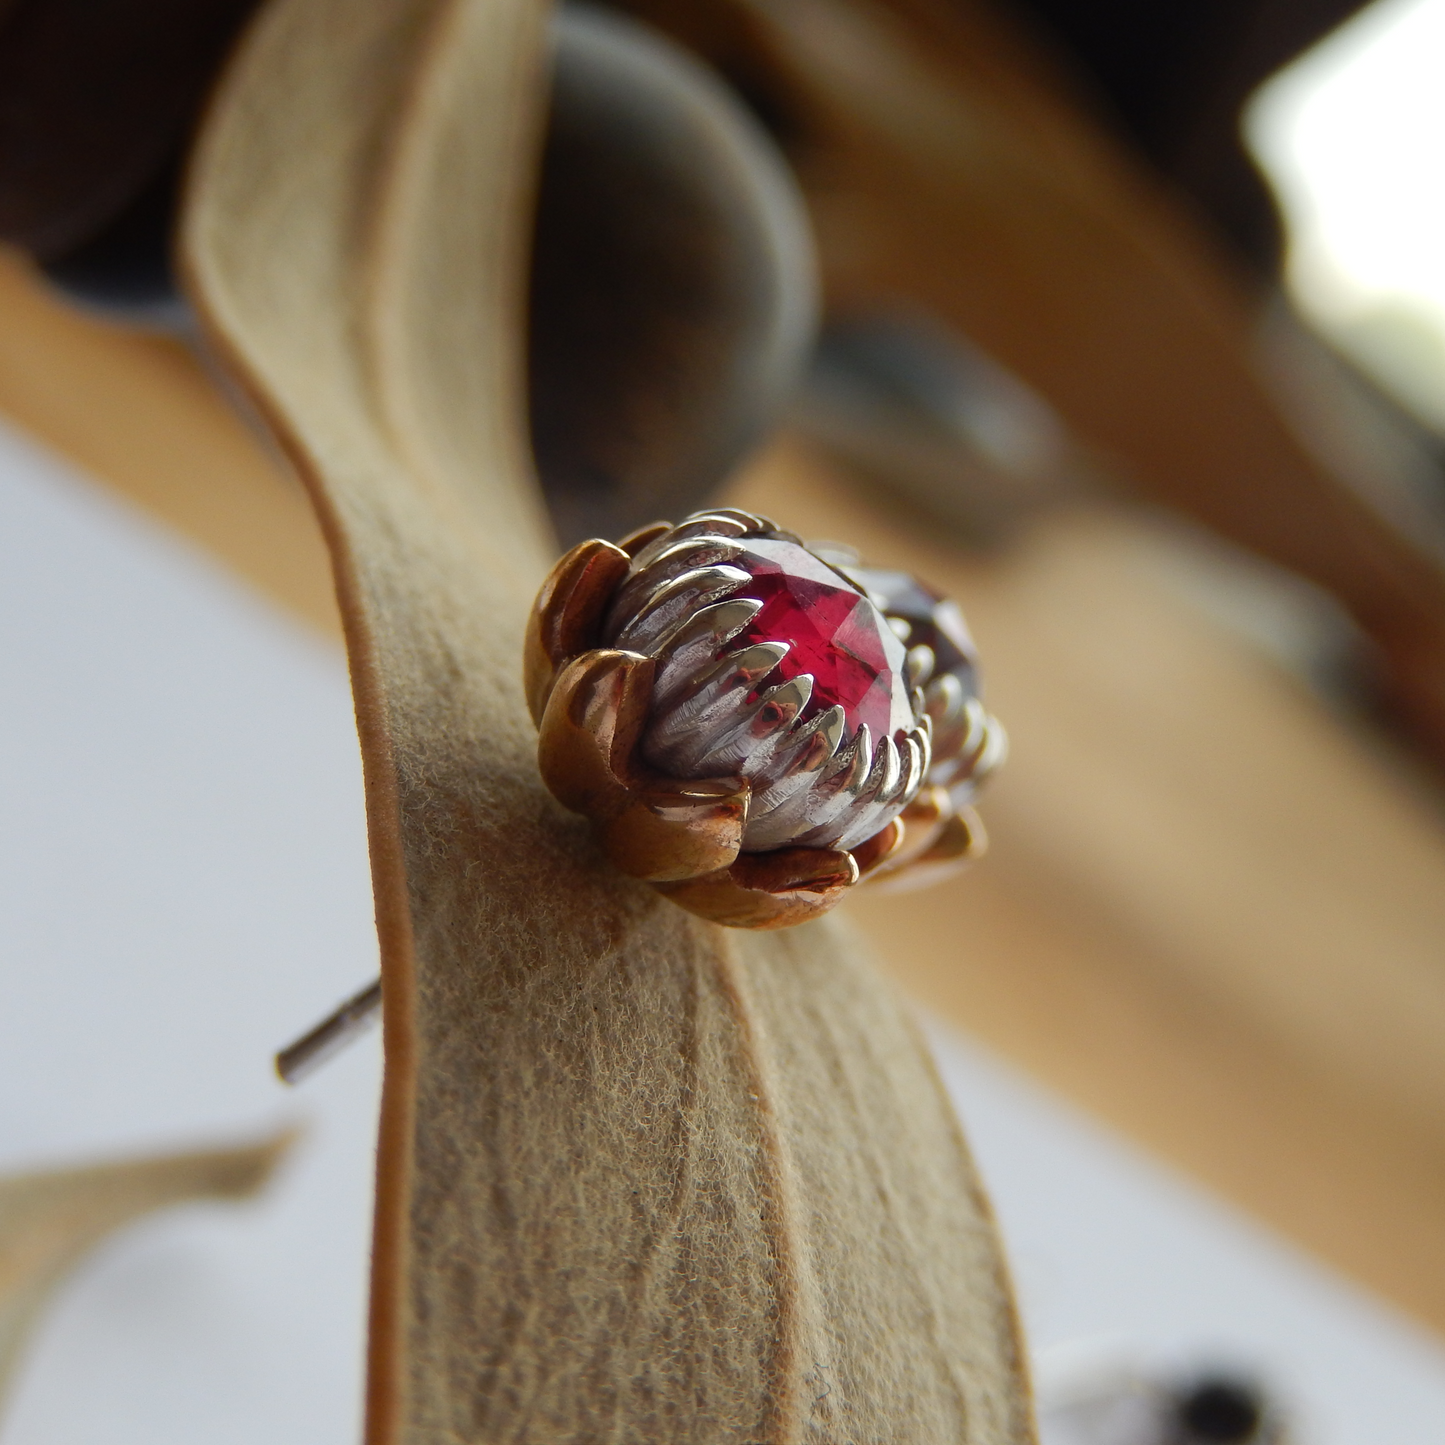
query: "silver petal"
695, 643
674, 600
689, 728
923, 736
735, 748
944, 700
642, 584
645, 559
977, 732
777, 790
875, 803
912, 766
641, 559
995, 751
718, 523
846, 775
790, 755
920, 666
807, 750
672, 556
797, 759
753, 521
723, 522
883, 777
814, 818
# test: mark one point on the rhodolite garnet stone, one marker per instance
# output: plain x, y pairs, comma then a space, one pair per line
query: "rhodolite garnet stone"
833, 632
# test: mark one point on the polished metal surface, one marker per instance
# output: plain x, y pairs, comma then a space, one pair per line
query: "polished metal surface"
714, 713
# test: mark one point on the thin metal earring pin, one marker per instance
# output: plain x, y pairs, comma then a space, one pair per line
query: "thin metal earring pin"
331, 1035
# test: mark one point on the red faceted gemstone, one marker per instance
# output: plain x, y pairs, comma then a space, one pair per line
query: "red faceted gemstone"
834, 633
929, 618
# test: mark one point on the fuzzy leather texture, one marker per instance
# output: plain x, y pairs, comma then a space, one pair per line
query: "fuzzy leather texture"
640, 1178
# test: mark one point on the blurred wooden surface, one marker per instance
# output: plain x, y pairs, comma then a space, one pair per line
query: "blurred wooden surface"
136, 411
950, 168
1210, 915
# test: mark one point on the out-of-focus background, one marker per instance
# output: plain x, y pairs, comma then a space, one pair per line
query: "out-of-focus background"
1176, 441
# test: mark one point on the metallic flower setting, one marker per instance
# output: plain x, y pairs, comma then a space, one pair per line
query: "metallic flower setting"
969, 744
753, 724
776, 667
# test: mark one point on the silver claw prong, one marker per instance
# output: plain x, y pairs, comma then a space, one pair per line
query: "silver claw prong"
828, 727
875, 796
912, 766
778, 800
995, 751
944, 700
753, 521
920, 665
811, 748
770, 717
696, 641
660, 563
686, 730
883, 779
674, 600
793, 774
834, 794
975, 737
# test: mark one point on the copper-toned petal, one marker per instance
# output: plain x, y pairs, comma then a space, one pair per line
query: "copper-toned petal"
959, 842
673, 831
634, 542
567, 614
875, 852
769, 890
923, 822
589, 730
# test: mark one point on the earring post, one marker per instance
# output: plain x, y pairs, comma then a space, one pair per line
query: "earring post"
331, 1035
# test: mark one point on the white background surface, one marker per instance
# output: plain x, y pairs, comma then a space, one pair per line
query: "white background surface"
183, 887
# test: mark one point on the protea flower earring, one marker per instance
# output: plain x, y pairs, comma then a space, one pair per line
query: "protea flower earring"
753, 725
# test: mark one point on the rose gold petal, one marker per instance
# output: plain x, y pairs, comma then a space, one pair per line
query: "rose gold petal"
876, 851
769, 890
671, 831
634, 542
590, 729
566, 617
